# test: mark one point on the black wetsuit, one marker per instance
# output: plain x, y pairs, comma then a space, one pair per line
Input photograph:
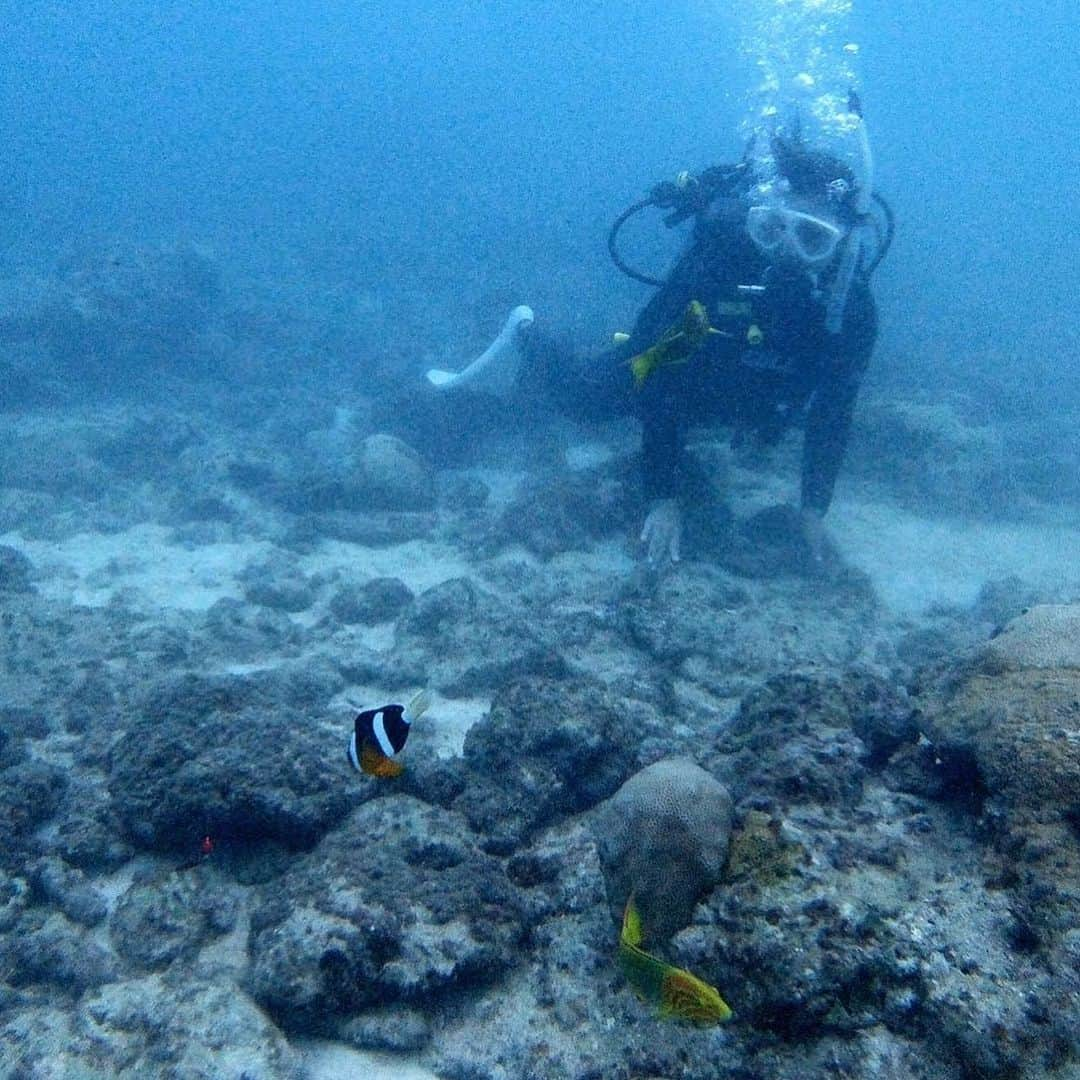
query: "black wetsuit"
775, 365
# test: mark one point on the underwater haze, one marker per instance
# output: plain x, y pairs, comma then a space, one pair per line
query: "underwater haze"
429, 651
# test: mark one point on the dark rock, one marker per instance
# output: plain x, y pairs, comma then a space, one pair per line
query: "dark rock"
1003, 600
376, 601
89, 836
771, 543
15, 898
428, 914
16, 570
69, 890
362, 665
146, 447
374, 528
23, 723
91, 703
388, 474
568, 512
548, 749
54, 951
793, 741
131, 315
881, 714
277, 584
30, 794
168, 918
225, 756
12, 748
242, 633
463, 493
468, 640
202, 509
728, 633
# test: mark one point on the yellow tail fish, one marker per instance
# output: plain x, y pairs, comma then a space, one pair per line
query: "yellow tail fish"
675, 991
676, 346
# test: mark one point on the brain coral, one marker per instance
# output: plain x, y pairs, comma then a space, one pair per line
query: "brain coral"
663, 836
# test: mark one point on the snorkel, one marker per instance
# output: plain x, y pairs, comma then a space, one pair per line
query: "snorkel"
852, 246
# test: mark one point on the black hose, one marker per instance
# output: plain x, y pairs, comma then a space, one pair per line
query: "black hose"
613, 251
890, 233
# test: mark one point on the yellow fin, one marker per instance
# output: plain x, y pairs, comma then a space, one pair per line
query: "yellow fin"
631, 924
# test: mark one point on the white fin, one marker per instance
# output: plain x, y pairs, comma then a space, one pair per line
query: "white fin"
495, 368
419, 705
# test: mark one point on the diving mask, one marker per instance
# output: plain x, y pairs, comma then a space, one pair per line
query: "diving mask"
811, 239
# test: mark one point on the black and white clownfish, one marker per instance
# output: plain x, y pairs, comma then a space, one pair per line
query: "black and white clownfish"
379, 735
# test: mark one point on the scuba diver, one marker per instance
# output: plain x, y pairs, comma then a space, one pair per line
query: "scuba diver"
765, 322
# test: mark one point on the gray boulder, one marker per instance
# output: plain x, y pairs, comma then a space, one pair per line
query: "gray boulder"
663, 837
1012, 708
1002, 738
388, 474
50, 950
278, 583
568, 511
374, 601
156, 1027
729, 633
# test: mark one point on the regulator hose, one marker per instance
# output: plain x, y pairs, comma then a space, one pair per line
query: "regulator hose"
612, 247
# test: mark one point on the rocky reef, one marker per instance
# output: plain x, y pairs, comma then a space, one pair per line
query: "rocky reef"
862, 827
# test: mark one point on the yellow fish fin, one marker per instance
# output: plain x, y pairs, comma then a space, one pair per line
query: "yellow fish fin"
631, 924
642, 366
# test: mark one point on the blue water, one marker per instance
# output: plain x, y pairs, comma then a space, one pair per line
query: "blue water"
375, 141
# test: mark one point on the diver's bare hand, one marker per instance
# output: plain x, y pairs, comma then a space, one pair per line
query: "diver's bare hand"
662, 532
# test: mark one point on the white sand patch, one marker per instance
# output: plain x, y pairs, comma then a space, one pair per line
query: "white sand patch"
378, 638
140, 564
916, 562
420, 564
589, 455
335, 1061
442, 729
113, 886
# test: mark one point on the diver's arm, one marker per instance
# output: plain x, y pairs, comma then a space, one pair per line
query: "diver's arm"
661, 460
661, 450
828, 423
